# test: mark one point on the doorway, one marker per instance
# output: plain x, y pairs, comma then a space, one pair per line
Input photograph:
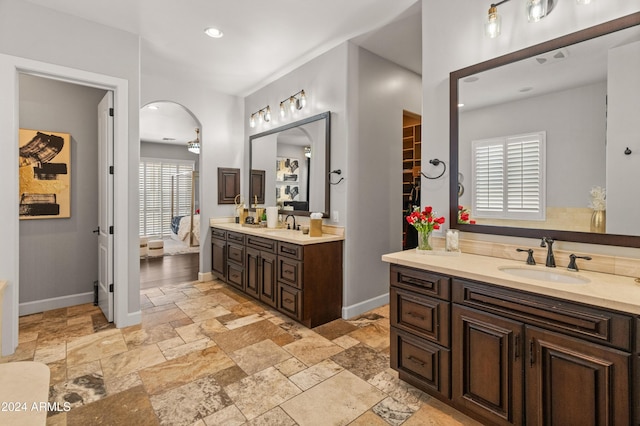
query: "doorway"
411, 168
52, 278
10, 68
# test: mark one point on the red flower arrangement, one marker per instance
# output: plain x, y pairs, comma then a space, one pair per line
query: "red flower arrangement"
463, 216
424, 221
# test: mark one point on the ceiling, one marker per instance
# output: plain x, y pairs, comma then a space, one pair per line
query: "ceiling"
263, 40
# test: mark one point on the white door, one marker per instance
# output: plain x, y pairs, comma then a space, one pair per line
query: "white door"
105, 205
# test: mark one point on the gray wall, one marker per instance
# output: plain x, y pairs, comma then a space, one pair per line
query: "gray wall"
59, 257
575, 122
165, 150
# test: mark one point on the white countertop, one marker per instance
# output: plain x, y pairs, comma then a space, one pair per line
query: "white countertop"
605, 290
287, 235
24, 388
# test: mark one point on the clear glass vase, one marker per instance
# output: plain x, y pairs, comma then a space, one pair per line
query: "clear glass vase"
424, 240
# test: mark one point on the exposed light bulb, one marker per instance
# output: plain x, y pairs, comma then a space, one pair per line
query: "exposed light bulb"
303, 99
283, 110
292, 104
252, 121
494, 23
267, 114
536, 10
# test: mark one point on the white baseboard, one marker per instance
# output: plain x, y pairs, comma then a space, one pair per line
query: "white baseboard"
362, 307
37, 306
131, 318
205, 276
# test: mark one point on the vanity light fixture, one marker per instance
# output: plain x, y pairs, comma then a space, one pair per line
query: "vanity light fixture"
536, 10
194, 145
262, 115
307, 151
297, 101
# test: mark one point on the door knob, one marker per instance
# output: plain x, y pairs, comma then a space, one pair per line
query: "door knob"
97, 230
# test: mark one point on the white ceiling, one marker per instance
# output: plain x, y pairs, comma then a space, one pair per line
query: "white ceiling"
263, 40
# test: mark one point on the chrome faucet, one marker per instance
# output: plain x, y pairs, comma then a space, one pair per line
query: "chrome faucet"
548, 243
294, 221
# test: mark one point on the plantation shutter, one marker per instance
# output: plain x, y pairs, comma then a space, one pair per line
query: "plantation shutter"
155, 194
509, 177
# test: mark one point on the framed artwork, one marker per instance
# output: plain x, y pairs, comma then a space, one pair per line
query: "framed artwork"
287, 192
45, 174
287, 169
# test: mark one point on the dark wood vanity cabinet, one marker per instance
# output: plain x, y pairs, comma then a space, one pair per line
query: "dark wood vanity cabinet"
515, 357
419, 315
301, 281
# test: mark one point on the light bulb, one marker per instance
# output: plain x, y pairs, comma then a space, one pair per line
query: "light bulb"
267, 114
536, 10
493, 25
252, 121
292, 104
283, 110
303, 99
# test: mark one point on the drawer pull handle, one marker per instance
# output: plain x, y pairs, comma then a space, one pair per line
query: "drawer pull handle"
531, 352
416, 360
517, 347
288, 301
289, 250
420, 283
287, 272
412, 314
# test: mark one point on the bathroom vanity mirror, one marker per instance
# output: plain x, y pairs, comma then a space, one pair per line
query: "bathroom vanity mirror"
289, 165
577, 95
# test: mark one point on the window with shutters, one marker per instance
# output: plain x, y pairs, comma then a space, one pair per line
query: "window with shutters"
155, 186
509, 177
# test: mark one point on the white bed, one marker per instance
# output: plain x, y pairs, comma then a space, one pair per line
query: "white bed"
185, 221
185, 230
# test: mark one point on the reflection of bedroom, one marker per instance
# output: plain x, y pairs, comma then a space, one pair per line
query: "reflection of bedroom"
169, 204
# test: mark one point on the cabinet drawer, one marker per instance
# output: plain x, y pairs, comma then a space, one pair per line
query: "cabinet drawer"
591, 323
293, 251
262, 244
290, 272
290, 301
236, 237
235, 275
220, 234
421, 281
421, 315
235, 253
423, 364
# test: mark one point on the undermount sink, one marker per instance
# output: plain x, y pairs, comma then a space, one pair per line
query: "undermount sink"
544, 275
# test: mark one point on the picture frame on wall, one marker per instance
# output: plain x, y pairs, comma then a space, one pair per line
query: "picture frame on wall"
45, 174
287, 169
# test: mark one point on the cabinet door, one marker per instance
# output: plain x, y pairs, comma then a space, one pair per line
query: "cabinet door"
252, 268
573, 382
268, 278
487, 376
218, 258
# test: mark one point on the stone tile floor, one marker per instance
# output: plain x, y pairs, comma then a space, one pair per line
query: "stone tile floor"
208, 355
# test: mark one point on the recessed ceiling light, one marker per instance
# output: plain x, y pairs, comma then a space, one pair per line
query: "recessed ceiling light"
460, 105
471, 79
168, 139
526, 89
213, 32
153, 107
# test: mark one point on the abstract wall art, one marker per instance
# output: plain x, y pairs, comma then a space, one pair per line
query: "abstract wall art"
45, 174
